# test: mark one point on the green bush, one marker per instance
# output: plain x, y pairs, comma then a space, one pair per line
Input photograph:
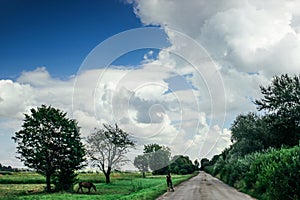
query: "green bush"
218, 167
276, 174
272, 174
209, 169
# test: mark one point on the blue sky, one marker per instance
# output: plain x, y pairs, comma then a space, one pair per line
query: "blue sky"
57, 34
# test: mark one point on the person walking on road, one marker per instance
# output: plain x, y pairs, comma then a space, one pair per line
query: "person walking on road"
169, 182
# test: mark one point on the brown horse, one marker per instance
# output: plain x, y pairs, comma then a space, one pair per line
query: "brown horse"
87, 185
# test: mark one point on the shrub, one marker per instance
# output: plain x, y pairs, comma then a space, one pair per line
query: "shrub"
272, 174
275, 174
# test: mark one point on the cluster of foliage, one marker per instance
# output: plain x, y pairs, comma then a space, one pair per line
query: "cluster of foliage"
252, 161
158, 159
282, 103
271, 174
107, 148
6, 168
50, 143
141, 162
155, 157
280, 125
275, 175
182, 165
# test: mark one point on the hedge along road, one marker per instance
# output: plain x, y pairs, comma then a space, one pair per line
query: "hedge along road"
204, 187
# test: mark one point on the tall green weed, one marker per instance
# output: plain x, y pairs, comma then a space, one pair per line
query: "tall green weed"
269, 175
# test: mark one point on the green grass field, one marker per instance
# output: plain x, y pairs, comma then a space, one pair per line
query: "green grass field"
123, 186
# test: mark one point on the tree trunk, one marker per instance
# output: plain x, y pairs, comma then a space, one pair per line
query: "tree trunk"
107, 175
48, 182
144, 176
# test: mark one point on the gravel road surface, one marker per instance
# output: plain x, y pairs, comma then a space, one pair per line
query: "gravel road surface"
204, 187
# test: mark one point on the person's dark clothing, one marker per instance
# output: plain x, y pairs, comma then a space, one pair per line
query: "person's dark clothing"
169, 181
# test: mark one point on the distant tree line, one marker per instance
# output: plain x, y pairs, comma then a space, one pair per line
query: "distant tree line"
6, 168
157, 158
9, 168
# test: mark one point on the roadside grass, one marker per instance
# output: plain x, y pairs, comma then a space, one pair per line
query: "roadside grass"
123, 186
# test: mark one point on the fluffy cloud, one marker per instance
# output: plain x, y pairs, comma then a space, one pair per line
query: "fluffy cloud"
249, 41
15, 98
247, 35
140, 100
30, 90
219, 54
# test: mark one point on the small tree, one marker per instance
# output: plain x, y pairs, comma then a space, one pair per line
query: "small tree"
107, 148
141, 162
50, 143
158, 158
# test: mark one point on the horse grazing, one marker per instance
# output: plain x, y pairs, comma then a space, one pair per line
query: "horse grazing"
87, 185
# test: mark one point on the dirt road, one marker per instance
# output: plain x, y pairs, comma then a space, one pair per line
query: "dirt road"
204, 187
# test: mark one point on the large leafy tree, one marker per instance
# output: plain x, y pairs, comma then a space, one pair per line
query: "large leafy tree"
141, 162
158, 158
250, 133
49, 142
281, 101
107, 148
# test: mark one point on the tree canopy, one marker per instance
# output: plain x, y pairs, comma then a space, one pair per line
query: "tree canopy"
249, 133
281, 101
107, 148
158, 158
282, 96
279, 125
141, 162
181, 165
49, 142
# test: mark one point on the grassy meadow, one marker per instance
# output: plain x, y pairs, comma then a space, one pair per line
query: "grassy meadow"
28, 185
